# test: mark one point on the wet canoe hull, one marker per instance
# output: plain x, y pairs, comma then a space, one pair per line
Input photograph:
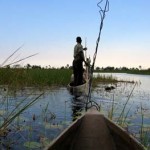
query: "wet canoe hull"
80, 89
93, 131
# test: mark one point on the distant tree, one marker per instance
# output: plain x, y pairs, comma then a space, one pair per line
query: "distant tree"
62, 67
36, 67
28, 66
133, 68
70, 67
67, 66
8, 66
109, 68
124, 69
117, 69
97, 68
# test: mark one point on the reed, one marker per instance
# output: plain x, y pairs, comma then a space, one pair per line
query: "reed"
103, 78
14, 113
142, 122
21, 77
144, 137
121, 118
111, 112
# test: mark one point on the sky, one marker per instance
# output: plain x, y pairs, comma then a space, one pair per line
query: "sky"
50, 28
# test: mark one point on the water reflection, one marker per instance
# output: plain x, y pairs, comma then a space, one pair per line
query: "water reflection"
142, 80
66, 108
78, 105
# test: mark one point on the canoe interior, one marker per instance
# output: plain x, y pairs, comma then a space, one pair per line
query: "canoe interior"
94, 132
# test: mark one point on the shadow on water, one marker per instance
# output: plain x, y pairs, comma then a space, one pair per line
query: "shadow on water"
44, 121
78, 105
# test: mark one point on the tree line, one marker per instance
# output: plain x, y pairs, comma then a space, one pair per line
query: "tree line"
97, 69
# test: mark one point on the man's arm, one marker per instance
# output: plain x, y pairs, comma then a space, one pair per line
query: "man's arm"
85, 48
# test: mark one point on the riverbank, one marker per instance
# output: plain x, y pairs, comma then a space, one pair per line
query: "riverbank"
134, 71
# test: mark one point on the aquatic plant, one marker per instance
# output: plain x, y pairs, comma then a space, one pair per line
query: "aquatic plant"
121, 118
21, 77
111, 112
14, 113
144, 138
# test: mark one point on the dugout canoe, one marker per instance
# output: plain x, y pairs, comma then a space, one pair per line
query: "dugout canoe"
93, 131
80, 89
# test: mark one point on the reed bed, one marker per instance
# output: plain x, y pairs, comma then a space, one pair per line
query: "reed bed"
21, 77
103, 78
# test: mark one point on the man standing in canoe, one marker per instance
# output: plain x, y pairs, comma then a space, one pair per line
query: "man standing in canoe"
78, 62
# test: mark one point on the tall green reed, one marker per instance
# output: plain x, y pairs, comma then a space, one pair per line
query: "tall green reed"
111, 112
14, 113
121, 118
144, 138
21, 77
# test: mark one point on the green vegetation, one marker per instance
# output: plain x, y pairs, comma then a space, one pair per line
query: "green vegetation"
17, 77
107, 79
123, 70
122, 114
41, 77
10, 116
35, 76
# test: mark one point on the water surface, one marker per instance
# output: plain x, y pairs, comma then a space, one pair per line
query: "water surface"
37, 126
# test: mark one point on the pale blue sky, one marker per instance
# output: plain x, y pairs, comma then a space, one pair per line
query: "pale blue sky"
49, 27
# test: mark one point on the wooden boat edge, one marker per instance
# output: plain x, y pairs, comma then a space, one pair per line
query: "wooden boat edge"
66, 131
78, 86
123, 133
117, 129
111, 125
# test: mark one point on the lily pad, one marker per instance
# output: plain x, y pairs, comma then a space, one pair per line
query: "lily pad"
52, 126
147, 116
66, 123
146, 129
32, 145
146, 125
130, 124
45, 141
2, 112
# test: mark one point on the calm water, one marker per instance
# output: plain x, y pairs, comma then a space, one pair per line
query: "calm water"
57, 108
